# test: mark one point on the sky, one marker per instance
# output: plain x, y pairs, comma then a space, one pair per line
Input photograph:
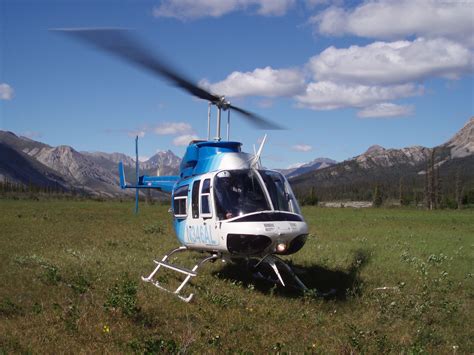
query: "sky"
339, 75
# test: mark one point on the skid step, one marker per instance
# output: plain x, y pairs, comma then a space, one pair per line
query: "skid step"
181, 270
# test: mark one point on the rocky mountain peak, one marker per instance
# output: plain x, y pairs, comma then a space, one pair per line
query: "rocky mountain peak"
375, 149
9, 133
162, 158
112, 157
315, 164
462, 144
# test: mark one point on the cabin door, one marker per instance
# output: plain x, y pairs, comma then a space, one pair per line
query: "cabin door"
201, 228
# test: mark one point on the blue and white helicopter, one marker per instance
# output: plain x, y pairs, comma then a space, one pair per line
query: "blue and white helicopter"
224, 203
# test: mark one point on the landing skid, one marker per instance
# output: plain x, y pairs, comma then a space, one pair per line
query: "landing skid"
272, 261
184, 271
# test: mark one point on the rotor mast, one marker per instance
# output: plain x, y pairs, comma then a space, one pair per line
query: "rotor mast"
221, 105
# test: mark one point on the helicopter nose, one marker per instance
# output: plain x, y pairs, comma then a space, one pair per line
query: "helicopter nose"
292, 246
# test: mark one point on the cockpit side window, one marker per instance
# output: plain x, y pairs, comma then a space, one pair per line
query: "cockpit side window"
293, 201
180, 199
278, 189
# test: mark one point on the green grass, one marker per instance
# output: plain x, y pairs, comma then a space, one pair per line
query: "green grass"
70, 274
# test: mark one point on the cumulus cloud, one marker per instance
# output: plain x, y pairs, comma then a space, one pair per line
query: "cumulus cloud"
357, 76
6, 92
170, 128
327, 95
368, 77
193, 9
386, 109
184, 139
393, 62
267, 82
390, 19
301, 148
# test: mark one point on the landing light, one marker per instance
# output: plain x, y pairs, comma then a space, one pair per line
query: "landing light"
281, 247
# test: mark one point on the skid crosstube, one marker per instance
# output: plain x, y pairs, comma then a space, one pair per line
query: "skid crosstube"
184, 271
273, 261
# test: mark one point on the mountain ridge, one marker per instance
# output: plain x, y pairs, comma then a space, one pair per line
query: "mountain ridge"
357, 176
32, 162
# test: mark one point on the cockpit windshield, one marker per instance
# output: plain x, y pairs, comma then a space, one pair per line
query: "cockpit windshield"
279, 191
238, 192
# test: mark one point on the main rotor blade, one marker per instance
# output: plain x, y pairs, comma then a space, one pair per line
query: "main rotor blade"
122, 44
260, 122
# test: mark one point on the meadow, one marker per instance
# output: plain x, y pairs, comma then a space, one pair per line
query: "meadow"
399, 280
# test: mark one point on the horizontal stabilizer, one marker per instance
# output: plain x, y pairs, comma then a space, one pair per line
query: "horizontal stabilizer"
163, 183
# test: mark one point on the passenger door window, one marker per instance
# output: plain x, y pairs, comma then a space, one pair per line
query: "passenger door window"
206, 199
180, 201
195, 199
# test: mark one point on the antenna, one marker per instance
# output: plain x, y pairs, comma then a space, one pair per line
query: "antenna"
137, 174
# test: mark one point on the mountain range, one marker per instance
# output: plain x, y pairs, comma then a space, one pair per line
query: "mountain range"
318, 163
357, 176
29, 162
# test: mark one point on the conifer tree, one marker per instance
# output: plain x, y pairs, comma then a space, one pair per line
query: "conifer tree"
377, 200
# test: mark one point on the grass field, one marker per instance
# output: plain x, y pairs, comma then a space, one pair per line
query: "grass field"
70, 271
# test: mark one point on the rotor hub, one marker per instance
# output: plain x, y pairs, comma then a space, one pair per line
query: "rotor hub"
222, 103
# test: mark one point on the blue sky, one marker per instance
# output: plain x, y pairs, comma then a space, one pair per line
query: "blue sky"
341, 75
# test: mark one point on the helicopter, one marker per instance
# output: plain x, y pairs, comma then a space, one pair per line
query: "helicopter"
223, 202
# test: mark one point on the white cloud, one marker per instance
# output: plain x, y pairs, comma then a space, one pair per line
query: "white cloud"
169, 128
266, 82
184, 140
386, 109
327, 95
6, 92
393, 62
143, 158
365, 77
273, 7
193, 9
395, 19
301, 148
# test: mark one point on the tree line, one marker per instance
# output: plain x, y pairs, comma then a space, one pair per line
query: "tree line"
8, 187
438, 185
